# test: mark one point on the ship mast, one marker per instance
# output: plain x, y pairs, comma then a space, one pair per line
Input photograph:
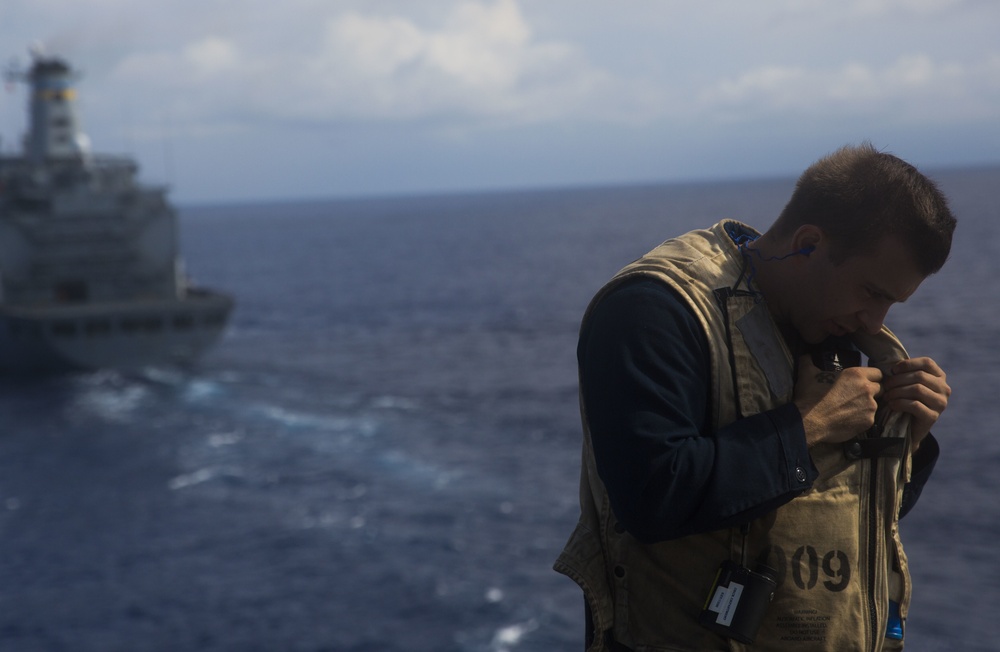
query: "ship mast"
54, 133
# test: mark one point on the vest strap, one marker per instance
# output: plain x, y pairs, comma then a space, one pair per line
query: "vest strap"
868, 448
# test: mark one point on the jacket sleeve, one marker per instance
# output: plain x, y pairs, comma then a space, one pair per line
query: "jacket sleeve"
644, 378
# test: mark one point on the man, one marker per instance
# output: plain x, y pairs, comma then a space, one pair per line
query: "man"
732, 490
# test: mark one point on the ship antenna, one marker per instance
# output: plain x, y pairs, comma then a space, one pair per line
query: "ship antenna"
12, 74
168, 153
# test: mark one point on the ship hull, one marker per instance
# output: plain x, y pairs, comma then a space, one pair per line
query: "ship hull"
119, 335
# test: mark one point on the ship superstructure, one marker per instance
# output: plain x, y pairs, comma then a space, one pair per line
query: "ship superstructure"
90, 274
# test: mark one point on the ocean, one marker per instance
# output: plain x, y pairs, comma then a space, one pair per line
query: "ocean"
382, 453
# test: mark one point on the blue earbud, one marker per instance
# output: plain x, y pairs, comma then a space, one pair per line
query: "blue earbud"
808, 249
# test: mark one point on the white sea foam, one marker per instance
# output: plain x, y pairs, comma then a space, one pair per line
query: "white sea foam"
507, 637
394, 403
200, 390
111, 403
202, 475
163, 376
294, 419
219, 439
403, 464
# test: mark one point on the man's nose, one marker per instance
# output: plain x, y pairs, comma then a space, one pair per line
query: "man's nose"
872, 318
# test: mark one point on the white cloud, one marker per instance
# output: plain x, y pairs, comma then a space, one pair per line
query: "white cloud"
485, 46
378, 46
914, 88
212, 56
468, 64
190, 66
871, 8
393, 81
482, 63
479, 64
882, 7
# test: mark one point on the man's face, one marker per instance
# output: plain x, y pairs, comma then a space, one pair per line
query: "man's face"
855, 295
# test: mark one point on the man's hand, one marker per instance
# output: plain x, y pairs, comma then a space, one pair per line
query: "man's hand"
919, 387
837, 406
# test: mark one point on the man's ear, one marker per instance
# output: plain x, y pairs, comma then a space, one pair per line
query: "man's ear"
806, 239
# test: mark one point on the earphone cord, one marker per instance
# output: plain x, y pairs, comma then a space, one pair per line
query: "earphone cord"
742, 241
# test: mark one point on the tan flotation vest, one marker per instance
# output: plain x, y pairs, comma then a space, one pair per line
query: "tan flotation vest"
835, 547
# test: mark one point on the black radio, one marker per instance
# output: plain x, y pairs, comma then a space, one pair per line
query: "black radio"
738, 601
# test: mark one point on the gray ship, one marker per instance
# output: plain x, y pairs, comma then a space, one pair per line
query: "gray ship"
90, 275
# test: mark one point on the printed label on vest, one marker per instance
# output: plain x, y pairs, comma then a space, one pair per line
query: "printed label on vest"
809, 569
803, 625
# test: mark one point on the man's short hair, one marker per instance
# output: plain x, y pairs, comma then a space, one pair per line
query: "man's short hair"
859, 195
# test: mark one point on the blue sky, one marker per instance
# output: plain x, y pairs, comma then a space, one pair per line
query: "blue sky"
244, 100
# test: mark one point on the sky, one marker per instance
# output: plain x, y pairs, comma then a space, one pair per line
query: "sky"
249, 100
